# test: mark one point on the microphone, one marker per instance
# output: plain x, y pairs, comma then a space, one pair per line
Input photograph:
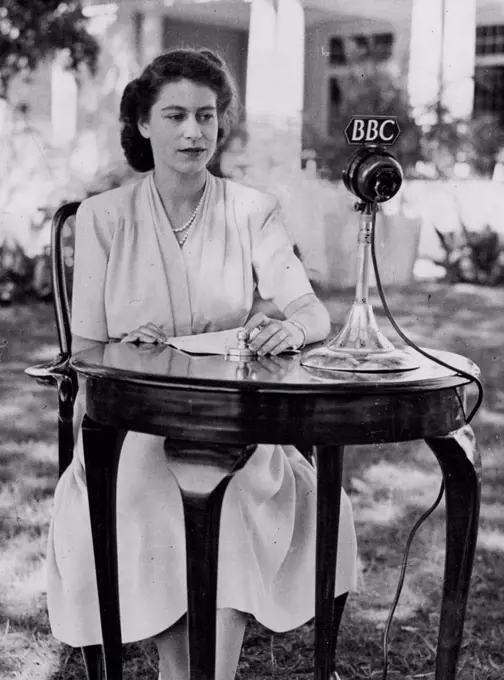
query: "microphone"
373, 174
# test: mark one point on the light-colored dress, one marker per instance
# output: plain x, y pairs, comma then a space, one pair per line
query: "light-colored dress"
130, 270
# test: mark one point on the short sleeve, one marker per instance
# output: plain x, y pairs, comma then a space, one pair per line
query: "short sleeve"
280, 274
92, 246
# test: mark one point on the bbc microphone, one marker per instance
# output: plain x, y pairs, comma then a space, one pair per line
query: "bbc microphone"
373, 174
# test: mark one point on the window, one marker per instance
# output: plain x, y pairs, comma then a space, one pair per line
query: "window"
489, 91
382, 47
336, 52
489, 40
360, 47
377, 47
334, 101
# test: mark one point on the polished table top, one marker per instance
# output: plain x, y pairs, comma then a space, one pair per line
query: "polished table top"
160, 390
164, 365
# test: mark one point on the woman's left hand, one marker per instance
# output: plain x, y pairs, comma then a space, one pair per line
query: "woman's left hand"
271, 336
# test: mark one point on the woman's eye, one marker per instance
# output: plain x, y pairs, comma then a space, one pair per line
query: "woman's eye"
176, 116
206, 116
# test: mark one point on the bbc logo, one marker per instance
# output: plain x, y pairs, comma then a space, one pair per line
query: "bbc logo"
382, 130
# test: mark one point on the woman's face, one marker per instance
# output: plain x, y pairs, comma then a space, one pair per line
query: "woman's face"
182, 127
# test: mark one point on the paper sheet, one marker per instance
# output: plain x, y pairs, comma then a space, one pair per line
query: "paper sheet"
206, 343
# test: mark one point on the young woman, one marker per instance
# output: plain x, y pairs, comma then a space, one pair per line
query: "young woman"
182, 252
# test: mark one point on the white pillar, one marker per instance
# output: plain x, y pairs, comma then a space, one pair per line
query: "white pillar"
274, 92
290, 46
442, 55
290, 71
425, 55
459, 56
64, 96
151, 40
100, 95
260, 92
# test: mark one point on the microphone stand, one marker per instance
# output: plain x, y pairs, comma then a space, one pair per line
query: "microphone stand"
360, 346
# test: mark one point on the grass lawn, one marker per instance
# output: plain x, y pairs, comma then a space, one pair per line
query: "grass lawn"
390, 487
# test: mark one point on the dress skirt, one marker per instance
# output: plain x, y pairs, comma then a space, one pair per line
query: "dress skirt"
266, 548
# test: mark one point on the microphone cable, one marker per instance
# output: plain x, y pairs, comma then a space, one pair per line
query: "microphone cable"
469, 376
472, 379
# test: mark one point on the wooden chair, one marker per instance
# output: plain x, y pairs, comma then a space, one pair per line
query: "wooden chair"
58, 371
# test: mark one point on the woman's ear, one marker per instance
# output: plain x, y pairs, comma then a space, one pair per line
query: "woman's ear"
144, 129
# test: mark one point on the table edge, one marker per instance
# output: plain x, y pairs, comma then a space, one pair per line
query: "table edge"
210, 384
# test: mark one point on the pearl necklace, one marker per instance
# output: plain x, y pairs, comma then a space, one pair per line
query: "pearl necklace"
193, 216
184, 237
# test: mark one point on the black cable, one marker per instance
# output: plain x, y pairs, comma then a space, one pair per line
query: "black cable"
402, 576
472, 378
467, 420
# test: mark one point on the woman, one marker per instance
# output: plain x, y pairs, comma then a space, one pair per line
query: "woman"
182, 252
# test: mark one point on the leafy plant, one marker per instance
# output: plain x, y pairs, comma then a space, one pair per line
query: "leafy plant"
473, 256
32, 30
16, 272
486, 140
476, 142
368, 89
371, 89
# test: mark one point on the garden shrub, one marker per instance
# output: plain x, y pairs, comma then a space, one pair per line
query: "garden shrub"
473, 256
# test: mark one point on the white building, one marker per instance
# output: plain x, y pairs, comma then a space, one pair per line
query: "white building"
289, 58
290, 55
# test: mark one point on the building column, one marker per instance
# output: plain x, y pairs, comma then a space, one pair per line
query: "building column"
261, 59
151, 36
100, 95
442, 57
459, 57
274, 89
290, 72
64, 97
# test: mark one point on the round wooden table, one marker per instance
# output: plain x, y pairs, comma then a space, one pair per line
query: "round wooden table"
214, 401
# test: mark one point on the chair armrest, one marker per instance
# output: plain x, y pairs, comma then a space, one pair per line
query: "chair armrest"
51, 372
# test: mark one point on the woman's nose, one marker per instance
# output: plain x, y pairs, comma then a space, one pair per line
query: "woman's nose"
192, 129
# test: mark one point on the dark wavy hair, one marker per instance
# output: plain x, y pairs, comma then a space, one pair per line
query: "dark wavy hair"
202, 66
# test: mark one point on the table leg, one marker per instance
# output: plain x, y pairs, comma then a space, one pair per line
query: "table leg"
67, 391
102, 447
202, 524
329, 477
460, 463
202, 502
93, 661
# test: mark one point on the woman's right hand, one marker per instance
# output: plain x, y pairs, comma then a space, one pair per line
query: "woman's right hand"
148, 332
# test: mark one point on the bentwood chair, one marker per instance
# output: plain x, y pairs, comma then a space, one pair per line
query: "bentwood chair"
58, 372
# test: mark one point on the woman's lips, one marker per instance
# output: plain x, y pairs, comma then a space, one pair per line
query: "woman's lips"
192, 152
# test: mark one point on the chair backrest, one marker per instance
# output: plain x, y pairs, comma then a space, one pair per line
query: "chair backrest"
62, 244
